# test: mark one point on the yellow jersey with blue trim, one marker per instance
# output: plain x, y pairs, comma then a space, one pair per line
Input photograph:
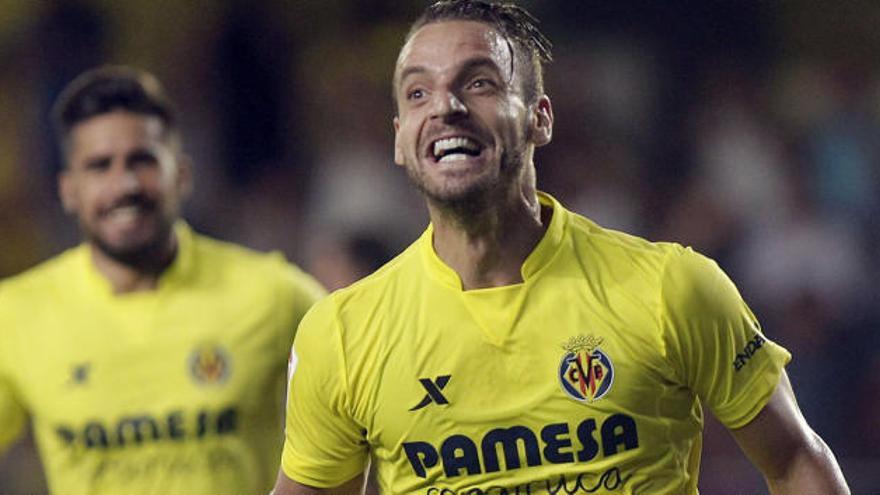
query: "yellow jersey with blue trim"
173, 390
588, 377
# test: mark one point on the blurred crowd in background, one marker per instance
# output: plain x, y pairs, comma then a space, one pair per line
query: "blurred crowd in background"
747, 129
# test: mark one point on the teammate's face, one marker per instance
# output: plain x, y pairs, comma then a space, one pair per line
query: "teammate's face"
124, 181
463, 127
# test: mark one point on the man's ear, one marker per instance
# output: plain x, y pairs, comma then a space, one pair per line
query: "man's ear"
542, 121
184, 175
67, 191
398, 150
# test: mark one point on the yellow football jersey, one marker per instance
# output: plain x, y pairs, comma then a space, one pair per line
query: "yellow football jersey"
585, 378
177, 390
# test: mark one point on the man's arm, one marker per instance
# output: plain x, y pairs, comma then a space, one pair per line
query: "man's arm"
286, 486
790, 455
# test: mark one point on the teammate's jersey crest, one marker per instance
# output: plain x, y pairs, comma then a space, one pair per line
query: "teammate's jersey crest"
209, 364
585, 372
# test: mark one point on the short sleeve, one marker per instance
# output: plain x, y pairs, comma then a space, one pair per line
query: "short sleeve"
323, 446
714, 342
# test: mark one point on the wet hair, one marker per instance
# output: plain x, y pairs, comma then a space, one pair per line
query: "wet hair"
531, 48
109, 88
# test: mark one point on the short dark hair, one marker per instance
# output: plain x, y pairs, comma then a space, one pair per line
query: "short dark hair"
531, 47
108, 88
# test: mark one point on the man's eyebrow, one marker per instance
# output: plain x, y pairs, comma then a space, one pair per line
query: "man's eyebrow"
97, 161
413, 69
480, 63
468, 66
141, 153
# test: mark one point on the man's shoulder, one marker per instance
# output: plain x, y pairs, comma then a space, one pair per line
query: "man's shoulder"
680, 272
586, 232
243, 266
221, 255
46, 275
212, 247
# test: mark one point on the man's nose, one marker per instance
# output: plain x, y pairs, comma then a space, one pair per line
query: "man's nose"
447, 105
125, 178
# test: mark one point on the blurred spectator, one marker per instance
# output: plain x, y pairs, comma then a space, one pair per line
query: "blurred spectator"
339, 262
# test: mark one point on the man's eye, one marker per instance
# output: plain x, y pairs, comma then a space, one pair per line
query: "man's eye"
97, 166
143, 159
415, 94
481, 83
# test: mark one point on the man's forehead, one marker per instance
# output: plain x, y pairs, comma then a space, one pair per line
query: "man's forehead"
105, 132
118, 123
447, 42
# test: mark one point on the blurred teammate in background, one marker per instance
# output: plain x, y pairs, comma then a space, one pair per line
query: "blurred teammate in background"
150, 358
517, 347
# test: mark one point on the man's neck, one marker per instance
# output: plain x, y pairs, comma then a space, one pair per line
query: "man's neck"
488, 247
126, 278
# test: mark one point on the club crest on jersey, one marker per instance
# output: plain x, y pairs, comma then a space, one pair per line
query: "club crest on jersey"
209, 364
585, 372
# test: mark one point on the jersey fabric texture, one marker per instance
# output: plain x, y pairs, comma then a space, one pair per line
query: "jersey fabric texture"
588, 377
176, 390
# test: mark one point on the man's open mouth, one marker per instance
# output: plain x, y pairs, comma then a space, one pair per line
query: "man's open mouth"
454, 148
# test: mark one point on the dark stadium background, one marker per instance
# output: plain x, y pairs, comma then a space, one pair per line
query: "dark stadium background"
747, 129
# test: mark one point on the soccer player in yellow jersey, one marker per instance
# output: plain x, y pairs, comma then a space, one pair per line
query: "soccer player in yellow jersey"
516, 347
150, 359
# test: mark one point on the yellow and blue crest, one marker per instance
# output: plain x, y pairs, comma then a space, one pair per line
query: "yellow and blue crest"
209, 364
586, 373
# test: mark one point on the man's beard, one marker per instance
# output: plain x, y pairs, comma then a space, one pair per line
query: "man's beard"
475, 197
151, 255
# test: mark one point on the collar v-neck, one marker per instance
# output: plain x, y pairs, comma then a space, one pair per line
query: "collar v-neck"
496, 310
531, 267
175, 274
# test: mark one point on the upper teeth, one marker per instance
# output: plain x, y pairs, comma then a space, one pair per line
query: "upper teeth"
443, 145
124, 212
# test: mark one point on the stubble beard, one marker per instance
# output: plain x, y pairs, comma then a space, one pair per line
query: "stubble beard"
467, 203
150, 255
